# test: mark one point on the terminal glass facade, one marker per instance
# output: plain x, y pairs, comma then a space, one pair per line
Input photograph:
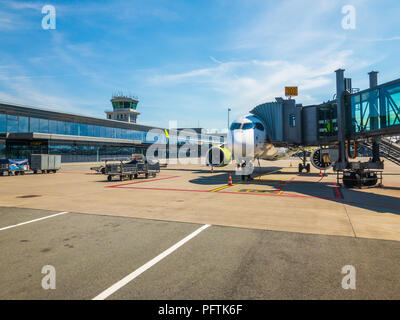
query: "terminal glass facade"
12, 124
113, 138
83, 152
70, 151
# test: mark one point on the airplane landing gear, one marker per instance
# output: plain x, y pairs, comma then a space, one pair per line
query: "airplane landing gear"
306, 167
245, 170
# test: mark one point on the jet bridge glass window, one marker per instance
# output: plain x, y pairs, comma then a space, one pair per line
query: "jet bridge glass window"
327, 120
376, 109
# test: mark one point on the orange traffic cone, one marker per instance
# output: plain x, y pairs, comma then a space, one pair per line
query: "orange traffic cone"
230, 180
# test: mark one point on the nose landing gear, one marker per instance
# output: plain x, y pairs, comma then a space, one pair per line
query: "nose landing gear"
303, 166
245, 169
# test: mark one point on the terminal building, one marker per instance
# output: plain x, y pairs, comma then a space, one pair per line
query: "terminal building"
28, 130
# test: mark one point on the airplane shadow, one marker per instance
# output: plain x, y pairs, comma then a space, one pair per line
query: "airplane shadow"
221, 176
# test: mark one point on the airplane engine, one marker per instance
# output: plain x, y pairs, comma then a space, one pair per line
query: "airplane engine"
218, 157
324, 158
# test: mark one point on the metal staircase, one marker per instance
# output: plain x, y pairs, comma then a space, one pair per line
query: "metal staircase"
388, 150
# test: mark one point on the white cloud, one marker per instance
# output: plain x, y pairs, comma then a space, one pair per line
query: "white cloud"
397, 38
22, 5
247, 83
27, 90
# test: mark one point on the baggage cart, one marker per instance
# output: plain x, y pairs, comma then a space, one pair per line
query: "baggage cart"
45, 163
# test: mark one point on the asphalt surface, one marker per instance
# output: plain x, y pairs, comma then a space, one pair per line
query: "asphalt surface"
91, 253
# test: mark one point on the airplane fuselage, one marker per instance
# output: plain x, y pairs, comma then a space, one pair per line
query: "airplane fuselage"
248, 140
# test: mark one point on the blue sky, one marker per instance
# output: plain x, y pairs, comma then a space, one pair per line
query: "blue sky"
189, 60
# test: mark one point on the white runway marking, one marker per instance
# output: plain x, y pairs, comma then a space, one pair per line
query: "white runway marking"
35, 220
106, 293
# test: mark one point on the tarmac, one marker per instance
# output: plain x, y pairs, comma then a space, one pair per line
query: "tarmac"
186, 234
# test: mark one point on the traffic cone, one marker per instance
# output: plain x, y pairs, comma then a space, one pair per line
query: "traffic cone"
320, 172
212, 169
230, 180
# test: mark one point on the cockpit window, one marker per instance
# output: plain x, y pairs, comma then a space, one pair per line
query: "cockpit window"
235, 126
248, 126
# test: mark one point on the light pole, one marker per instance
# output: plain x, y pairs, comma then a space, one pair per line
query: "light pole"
229, 109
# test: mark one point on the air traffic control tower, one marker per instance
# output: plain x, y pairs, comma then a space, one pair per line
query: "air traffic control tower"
124, 108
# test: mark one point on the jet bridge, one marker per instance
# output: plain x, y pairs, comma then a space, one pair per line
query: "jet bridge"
353, 118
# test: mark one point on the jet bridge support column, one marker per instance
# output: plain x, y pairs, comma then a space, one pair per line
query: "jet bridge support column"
342, 162
373, 83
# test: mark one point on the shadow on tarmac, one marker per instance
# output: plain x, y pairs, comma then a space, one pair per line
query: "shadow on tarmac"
326, 190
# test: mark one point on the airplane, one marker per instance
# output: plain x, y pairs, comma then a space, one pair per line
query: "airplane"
247, 141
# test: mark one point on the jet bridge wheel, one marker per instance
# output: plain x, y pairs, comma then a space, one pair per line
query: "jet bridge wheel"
359, 179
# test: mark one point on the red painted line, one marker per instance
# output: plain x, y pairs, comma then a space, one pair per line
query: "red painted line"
337, 192
144, 181
161, 189
284, 185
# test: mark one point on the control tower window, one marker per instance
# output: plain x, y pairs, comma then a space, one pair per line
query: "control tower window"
292, 120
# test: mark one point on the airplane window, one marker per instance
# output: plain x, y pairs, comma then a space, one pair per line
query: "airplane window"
248, 126
235, 126
259, 126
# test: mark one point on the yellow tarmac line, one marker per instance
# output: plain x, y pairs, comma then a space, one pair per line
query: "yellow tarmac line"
224, 187
257, 177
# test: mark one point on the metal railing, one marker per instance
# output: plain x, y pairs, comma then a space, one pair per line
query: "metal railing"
388, 150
